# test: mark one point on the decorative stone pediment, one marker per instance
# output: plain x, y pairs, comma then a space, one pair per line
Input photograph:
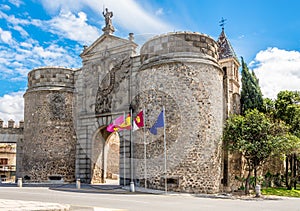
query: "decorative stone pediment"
107, 45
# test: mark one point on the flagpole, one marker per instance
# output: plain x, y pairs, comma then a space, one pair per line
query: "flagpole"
165, 150
131, 154
124, 156
145, 149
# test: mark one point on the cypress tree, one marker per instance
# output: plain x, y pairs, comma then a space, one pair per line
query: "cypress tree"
251, 96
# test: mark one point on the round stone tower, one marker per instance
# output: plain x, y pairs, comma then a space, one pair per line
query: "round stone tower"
180, 71
49, 145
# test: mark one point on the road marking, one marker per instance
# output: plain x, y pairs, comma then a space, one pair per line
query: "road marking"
106, 209
91, 208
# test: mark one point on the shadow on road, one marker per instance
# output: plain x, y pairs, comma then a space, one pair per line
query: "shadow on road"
85, 188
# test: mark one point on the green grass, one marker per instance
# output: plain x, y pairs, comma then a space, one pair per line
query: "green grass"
281, 192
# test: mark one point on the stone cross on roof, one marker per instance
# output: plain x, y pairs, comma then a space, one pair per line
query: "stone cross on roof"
222, 22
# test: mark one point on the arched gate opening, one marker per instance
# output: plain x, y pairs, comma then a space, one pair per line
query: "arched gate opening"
105, 157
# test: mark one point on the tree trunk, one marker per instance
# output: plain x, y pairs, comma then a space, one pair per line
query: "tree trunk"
291, 172
255, 175
295, 171
247, 184
287, 183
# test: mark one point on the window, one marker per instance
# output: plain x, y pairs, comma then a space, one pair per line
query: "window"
3, 161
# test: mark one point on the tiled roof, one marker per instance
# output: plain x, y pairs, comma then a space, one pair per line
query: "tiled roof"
225, 48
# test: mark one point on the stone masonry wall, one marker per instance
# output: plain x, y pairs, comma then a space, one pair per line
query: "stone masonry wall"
188, 81
102, 94
12, 134
49, 135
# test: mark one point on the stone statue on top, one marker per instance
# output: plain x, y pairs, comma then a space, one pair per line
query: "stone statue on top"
109, 28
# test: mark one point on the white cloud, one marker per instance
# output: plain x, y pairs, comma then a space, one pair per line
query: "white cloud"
277, 70
65, 25
54, 55
127, 14
241, 36
17, 3
6, 36
57, 5
13, 20
28, 53
46, 53
4, 7
73, 27
21, 30
24, 56
26, 44
12, 107
160, 11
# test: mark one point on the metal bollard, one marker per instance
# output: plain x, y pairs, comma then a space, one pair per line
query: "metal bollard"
20, 183
78, 184
257, 191
132, 189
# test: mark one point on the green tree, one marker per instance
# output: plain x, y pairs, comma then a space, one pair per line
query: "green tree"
287, 107
255, 136
269, 107
290, 147
251, 96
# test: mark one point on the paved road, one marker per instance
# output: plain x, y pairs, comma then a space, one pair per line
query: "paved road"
86, 199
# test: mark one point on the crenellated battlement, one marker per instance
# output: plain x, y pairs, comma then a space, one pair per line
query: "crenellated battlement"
11, 132
179, 45
11, 124
51, 77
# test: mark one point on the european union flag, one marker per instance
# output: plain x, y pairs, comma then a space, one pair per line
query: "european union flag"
159, 123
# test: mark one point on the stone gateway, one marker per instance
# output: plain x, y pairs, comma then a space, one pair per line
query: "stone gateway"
67, 111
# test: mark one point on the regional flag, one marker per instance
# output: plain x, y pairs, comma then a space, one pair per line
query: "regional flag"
138, 121
159, 123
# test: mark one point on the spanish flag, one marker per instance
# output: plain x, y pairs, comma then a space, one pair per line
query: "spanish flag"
126, 125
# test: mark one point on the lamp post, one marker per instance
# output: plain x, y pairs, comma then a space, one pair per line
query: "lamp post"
132, 189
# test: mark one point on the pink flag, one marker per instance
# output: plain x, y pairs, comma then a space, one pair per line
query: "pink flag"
114, 125
110, 128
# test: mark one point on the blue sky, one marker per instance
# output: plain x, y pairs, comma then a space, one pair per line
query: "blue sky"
35, 33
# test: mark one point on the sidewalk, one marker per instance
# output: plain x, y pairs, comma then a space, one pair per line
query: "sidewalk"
17, 205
